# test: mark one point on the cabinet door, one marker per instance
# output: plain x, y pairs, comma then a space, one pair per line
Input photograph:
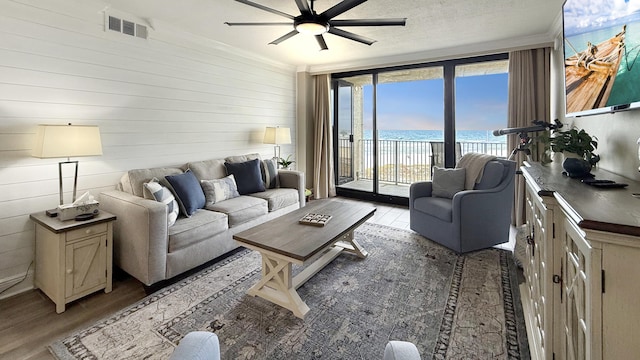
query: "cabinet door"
581, 307
539, 272
86, 265
620, 297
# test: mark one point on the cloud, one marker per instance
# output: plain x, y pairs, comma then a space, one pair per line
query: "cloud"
588, 15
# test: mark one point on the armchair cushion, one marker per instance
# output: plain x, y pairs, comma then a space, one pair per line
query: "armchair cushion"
492, 176
447, 182
442, 208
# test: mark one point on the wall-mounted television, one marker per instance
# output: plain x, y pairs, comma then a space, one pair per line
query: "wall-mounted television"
601, 46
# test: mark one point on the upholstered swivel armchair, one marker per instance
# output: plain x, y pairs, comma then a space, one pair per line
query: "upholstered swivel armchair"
472, 219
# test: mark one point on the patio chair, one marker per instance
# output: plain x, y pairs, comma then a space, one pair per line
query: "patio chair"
437, 153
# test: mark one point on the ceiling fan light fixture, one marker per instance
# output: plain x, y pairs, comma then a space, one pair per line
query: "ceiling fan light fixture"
311, 27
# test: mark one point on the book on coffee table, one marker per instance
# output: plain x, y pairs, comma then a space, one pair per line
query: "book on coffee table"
315, 219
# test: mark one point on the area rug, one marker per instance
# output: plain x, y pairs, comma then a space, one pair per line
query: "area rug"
408, 288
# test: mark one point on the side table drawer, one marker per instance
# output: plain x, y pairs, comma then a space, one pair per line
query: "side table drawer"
86, 231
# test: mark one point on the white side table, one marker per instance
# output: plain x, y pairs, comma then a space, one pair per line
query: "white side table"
73, 258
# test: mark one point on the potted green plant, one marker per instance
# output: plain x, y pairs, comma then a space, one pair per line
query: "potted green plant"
578, 142
285, 163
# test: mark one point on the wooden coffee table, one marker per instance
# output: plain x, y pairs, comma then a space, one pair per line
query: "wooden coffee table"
283, 242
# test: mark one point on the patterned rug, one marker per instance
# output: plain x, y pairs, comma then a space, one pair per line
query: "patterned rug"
408, 288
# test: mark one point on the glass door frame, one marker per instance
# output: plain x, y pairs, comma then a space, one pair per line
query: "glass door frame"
449, 132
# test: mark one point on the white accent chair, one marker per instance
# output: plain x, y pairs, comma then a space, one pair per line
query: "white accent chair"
401, 350
197, 345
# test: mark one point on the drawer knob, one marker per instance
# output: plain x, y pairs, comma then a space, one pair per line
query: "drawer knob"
69, 271
88, 231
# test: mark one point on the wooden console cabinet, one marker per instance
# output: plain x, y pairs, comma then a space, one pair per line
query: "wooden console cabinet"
580, 293
73, 258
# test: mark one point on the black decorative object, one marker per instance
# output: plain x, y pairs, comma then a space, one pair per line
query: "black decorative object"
576, 168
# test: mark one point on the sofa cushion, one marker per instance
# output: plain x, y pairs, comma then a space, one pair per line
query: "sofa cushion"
278, 198
132, 181
208, 169
202, 225
447, 182
188, 192
163, 194
248, 176
270, 173
442, 208
219, 189
241, 209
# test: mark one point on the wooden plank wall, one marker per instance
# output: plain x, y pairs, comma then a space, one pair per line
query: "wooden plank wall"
167, 100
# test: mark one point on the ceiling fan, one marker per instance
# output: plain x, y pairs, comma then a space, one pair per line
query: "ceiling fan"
310, 22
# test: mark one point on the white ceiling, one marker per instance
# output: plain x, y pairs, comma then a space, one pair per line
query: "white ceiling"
435, 28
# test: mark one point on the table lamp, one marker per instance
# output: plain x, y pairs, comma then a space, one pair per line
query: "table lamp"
59, 141
277, 136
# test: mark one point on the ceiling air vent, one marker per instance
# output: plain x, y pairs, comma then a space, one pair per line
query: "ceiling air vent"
127, 27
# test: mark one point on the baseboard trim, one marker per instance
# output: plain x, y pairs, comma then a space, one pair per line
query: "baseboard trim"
16, 284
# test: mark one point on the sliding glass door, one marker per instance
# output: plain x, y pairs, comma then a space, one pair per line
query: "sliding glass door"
394, 125
410, 110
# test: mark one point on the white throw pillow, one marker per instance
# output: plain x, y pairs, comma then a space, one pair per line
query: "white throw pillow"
162, 194
219, 189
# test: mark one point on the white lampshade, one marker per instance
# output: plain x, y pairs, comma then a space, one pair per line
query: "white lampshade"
277, 135
55, 141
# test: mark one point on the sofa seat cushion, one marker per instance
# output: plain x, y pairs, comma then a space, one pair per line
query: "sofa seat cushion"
442, 208
278, 198
241, 209
202, 225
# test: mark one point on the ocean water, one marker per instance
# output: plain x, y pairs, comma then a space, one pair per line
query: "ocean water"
625, 89
436, 135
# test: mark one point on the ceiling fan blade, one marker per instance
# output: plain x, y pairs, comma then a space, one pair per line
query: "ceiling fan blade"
351, 36
369, 22
321, 42
268, 9
341, 7
303, 5
284, 37
257, 23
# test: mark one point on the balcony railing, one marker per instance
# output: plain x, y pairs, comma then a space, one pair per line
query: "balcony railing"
400, 161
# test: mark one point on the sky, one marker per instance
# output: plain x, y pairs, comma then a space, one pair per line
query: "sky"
481, 104
582, 16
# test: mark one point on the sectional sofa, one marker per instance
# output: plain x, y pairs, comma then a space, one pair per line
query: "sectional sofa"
151, 248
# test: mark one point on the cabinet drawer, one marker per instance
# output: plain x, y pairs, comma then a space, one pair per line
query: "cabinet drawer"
86, 231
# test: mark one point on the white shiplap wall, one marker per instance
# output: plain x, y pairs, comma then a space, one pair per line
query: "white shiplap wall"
164, 101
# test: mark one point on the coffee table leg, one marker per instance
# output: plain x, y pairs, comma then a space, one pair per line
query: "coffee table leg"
350, 245
276, 286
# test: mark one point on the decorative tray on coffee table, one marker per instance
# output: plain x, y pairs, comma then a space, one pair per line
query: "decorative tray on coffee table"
315, 219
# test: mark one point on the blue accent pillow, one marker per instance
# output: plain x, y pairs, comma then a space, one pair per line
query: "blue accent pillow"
248, 176
188, 192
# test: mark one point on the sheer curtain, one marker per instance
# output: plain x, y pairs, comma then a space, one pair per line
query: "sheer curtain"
323, 176
529, 99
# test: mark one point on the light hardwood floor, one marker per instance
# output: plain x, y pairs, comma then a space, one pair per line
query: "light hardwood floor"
28, 321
